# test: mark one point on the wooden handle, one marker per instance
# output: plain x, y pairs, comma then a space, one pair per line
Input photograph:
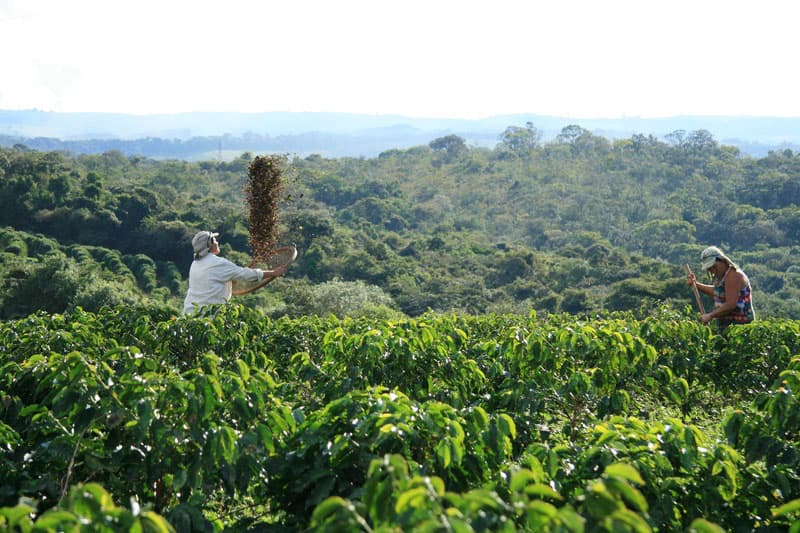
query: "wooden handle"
696, 292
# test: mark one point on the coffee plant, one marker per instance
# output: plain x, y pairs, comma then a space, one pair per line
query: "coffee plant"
133, 419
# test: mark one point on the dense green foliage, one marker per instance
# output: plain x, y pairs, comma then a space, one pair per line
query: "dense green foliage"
499, 422
318, 403
578, 224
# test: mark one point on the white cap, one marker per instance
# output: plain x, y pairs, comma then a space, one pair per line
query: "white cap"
201, 242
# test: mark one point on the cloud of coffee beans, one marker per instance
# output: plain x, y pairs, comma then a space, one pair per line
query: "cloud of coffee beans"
262, 191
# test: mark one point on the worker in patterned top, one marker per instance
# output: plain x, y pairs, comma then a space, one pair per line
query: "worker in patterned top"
730, 288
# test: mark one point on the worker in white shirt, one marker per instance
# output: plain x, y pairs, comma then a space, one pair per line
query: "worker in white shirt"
211, 276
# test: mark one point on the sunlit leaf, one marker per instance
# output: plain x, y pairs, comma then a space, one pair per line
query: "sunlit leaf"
624, 471
701, 525
411, 499
787, 508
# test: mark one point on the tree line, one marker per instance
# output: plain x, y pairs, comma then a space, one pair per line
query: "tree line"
578, 224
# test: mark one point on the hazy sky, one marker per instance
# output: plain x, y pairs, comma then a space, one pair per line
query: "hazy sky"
432, 58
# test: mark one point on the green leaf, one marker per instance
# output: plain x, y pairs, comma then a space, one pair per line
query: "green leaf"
265, 436
787, 508
144, 412
456, 524
33, 361
155, 523
701, 525
329, 507
244, 370
569, 520
99, 494
626, 520
457, 451
606, 436
600, 503
436, 485
18, 516
31, 409
624, 471
479, 417
56, 520
322, 490
522, 478
378, 500
411, 499
226, 440
179, 479
545, 509
507, 426
540, 490
212, 391
443, 452
631, 495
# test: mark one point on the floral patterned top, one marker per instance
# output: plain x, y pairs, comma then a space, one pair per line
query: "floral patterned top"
743, 313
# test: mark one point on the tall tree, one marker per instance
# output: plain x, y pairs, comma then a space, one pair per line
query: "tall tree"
521, 140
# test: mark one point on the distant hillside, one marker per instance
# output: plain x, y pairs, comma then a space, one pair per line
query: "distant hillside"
224, 135
579, 224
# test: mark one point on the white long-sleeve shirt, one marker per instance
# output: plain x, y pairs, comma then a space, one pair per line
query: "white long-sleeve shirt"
210, 281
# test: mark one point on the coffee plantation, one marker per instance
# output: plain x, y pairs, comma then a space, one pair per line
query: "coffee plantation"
135, 419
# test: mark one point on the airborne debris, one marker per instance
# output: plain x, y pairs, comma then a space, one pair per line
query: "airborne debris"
262, 190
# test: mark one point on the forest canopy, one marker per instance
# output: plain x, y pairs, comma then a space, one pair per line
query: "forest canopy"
581, 224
